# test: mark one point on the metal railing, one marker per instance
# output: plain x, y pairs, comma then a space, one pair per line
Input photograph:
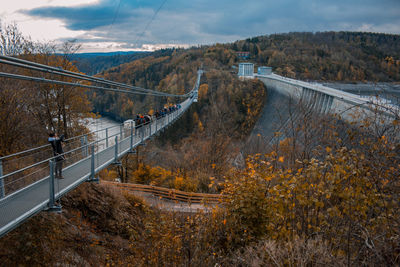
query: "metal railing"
77, 148
23, 168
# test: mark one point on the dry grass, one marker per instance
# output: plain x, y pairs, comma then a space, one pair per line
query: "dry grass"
300, 253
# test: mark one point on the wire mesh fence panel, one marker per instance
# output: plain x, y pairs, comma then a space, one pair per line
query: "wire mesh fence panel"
21, 179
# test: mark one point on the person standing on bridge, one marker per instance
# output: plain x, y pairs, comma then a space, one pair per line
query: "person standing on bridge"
58, 151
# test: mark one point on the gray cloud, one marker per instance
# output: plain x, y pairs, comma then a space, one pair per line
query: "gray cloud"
210, 21
86, 17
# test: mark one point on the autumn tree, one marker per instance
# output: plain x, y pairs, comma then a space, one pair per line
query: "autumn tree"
34, 109
343, 195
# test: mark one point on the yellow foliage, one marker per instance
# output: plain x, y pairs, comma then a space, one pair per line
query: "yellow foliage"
161, 177
201, 127
321, 197
203, 89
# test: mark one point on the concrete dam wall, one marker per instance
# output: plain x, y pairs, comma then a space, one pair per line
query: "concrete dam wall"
288, 100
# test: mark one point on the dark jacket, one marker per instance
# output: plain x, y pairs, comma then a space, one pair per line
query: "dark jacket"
57, 146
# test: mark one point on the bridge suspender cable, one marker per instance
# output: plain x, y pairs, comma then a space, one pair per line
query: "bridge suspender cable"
43, 80
54, 70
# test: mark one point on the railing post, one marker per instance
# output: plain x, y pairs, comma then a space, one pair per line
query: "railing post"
142, 133
106, 137
149, 128
156, 124
131, 136
83, 146
116, 151
2, 190
52, 205
86, 147
92, 167
120, 131
116, 148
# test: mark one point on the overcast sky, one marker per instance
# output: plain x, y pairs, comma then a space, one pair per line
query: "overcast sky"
120, 25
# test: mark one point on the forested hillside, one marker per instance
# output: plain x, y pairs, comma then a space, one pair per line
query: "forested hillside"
328, 56
93, 63
175, 71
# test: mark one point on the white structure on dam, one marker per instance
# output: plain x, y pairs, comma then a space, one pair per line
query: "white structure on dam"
246, 70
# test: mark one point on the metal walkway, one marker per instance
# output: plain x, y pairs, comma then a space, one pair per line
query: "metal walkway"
31, 189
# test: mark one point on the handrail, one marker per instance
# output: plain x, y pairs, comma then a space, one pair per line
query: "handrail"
73, 150
54, 157
48, 145
69, 139
2, 178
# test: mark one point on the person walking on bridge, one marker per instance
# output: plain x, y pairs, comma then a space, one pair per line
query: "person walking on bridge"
58, 151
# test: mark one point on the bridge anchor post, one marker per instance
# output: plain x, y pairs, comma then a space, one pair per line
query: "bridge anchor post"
52, 206
92, 177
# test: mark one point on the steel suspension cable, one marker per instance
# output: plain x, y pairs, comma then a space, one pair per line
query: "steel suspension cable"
59, 71
76, 76
76, 84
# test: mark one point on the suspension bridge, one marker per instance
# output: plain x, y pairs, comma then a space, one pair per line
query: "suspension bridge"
27, 181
